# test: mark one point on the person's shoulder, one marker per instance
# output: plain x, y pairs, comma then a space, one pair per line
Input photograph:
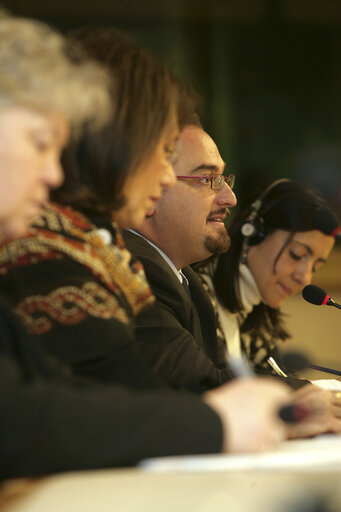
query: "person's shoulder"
58, 232
153, 262
61, 220
140, 247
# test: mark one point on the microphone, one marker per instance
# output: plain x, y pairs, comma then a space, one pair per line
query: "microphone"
295, 361
315, 295
326, 222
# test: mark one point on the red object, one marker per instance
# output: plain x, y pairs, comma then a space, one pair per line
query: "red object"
325, 300
336, 231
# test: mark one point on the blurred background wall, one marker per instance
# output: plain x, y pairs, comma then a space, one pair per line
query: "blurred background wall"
269, 72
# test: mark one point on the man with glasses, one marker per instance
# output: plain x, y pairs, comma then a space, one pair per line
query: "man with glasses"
178, 333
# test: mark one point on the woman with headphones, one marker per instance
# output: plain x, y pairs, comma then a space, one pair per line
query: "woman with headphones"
278, 240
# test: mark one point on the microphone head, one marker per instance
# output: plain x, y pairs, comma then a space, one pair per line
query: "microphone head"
294, 361
315, 295
327, 222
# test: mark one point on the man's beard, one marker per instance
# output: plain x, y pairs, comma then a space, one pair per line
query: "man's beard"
218, 244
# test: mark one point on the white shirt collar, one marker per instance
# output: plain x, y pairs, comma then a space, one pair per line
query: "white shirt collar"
249, 292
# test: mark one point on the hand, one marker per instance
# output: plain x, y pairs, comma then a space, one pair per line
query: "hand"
325, 414
335, 403
248, 409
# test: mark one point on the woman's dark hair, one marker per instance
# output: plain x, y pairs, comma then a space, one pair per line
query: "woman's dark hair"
290, 206
145, 93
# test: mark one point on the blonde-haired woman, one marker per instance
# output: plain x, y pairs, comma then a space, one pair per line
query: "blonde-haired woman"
42, 95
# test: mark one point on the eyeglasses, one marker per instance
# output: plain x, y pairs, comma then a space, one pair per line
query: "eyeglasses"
216, 181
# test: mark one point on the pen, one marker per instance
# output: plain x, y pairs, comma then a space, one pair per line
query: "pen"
240, 366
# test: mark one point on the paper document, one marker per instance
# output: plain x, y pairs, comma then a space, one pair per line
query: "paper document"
329, 384
320, 453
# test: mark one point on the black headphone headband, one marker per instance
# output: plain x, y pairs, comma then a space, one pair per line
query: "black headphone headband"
253, 228
257, 204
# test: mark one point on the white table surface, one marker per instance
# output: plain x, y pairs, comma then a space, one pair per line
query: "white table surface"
136, 490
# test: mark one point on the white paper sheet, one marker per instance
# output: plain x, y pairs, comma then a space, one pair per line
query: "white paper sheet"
329, 384
320, 453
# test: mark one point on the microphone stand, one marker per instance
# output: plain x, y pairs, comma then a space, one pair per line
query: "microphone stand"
335, 304
324, 369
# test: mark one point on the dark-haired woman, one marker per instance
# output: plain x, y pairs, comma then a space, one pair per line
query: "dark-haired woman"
277, 244
279, 239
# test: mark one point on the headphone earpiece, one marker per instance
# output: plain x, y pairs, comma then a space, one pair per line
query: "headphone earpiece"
253, 229
248, 229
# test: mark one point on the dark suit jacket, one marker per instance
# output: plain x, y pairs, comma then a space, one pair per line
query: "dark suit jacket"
51, 422
177, 335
